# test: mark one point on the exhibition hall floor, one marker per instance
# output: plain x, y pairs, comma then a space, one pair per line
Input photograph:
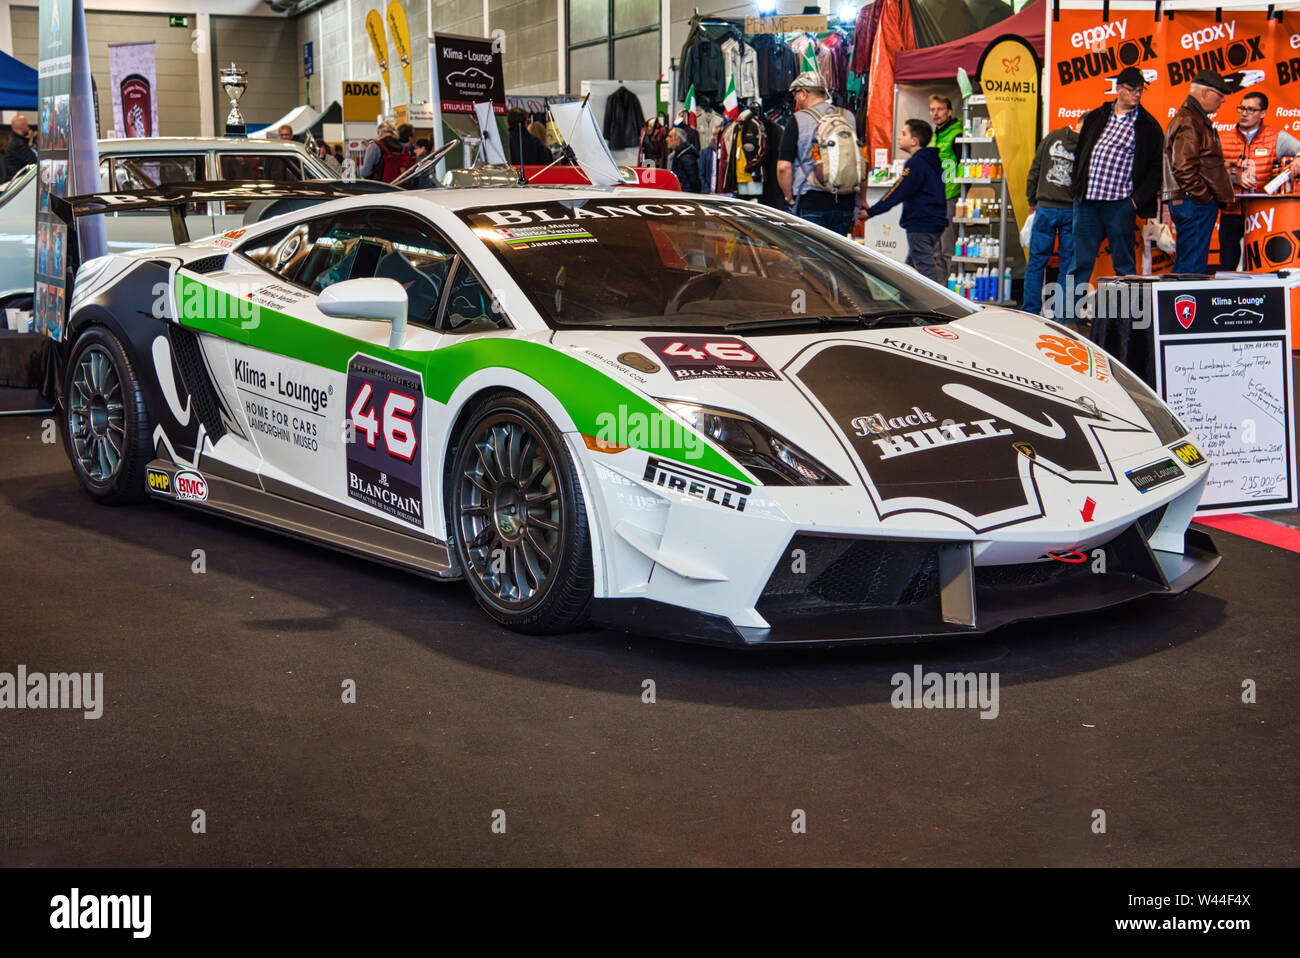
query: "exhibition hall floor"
222, 692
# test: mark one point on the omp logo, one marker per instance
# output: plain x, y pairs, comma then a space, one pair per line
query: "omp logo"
1211, 34
191, 486
353, 88
159, 481
1098, 35
1189, 454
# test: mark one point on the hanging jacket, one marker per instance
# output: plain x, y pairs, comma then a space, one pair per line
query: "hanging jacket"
776, 64
684, 163
623, 119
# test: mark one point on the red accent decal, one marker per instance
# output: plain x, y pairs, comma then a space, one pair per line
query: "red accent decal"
1089, 505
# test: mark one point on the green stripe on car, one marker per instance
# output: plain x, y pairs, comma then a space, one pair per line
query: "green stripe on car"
586, 394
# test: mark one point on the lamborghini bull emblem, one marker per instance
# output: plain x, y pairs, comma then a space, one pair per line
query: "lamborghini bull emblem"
980, 450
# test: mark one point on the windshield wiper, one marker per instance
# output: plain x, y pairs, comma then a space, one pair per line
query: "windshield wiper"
872, 320
799, 322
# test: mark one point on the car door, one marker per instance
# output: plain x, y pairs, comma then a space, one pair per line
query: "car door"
141, 229
339, 418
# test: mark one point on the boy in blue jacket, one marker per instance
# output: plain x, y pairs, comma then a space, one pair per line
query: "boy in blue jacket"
925, 205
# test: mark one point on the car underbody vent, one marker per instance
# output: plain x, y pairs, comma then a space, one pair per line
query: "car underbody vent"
1151, 521
208, 264
189, 360
822, 573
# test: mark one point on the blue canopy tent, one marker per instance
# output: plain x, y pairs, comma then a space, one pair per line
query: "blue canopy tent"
17, 84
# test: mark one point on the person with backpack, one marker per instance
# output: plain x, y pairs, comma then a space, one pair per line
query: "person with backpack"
819, 164
385, 157
925, 207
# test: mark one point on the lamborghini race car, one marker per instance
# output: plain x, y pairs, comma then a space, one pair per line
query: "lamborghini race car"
669, 414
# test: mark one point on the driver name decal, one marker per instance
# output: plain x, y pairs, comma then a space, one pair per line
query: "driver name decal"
385, 407
709, 357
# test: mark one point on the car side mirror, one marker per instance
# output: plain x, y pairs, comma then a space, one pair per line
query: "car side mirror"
383, 300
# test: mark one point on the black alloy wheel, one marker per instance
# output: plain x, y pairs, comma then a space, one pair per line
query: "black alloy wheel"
518, 519
106, 426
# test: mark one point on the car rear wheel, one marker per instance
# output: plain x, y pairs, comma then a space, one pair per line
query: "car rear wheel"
518, 519
106, 422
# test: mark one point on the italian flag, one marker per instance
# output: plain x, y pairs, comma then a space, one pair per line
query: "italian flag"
690, 106
730, 103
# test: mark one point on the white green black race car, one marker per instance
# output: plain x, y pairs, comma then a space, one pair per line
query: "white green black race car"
670, 414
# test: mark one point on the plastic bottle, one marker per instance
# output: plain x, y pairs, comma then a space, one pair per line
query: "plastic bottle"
1006, 284
952, 281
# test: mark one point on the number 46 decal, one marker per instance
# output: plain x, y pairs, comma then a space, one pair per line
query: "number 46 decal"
397, 427
731, 352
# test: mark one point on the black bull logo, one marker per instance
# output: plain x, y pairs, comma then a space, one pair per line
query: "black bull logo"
948, 435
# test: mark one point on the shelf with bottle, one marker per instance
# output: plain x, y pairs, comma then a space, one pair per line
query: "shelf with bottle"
978, 210
987, 284
977, 248
979, 169
974, 139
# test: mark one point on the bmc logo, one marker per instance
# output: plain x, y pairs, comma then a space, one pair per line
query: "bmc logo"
1211, 34
354, 88
1098, 35
190, 485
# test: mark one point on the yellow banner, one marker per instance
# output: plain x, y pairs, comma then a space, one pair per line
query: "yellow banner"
379, 43
1009, 75
401, 41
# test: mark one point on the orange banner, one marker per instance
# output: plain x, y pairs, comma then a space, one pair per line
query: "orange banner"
1086, 53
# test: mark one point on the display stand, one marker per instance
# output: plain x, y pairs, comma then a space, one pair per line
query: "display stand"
973, 228
1218, 352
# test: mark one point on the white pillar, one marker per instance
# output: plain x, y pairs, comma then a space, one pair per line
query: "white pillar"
562, 50
6, 28
207, 118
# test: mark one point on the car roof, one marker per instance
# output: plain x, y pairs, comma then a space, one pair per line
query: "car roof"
188, 144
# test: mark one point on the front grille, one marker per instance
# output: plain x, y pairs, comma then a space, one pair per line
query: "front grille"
1027, 575
826, 574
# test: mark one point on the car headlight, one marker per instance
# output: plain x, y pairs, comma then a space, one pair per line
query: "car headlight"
1166, 425
769, 456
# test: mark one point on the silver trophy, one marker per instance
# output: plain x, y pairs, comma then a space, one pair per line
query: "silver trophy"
234, 81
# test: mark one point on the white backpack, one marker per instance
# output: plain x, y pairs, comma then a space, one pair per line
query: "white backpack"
836, 156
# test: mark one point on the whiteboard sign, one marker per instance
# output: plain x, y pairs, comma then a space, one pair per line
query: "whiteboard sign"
1224, 368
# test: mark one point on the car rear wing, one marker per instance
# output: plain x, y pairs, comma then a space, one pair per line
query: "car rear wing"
175, 197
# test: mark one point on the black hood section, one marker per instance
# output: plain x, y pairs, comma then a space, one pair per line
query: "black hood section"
954, 437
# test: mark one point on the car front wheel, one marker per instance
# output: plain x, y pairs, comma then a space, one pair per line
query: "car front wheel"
518, 519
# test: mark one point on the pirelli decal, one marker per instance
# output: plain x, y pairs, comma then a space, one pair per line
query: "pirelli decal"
676, 477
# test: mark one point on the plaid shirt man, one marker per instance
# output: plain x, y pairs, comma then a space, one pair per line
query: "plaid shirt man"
1110, 171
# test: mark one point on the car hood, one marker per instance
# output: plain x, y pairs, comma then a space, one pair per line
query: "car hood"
971, 419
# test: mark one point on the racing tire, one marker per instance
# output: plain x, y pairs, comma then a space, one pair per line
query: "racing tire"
517, 520
105, 420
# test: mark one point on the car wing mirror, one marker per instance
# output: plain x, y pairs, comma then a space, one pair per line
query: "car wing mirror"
382, 300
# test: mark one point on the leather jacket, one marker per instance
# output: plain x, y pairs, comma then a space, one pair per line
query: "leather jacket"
1194, 166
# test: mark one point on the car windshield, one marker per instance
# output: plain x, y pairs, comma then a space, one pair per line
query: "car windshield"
689, 264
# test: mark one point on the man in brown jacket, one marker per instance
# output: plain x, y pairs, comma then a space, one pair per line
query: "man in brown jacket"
1196, 178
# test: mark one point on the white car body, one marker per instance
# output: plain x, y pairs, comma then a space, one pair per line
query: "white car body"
699, 548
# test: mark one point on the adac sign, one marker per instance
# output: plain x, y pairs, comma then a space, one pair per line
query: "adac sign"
361, 101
